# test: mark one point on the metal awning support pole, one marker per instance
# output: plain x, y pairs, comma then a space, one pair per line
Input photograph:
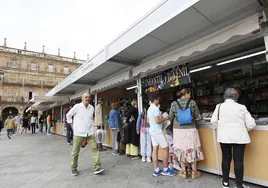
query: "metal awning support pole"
96, 100
266, 46
61, 114
139, 94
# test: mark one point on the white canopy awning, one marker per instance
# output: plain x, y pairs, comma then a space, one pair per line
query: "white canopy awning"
49, 99
108, 61
79, 94
241, 28
111, 81
172, 30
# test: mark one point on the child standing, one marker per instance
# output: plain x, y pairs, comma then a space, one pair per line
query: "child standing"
172, 159
142, 127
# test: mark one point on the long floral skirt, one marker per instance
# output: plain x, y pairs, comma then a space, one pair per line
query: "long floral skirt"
187, 146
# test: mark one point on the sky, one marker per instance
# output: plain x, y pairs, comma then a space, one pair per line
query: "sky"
83, 26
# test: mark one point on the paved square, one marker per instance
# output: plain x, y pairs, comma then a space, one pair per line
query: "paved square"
40, 161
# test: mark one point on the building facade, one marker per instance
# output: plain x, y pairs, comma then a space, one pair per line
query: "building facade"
25, 74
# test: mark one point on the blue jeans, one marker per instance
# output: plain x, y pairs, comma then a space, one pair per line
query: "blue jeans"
146, 144
48, 129
9, 132
115, 131
69, 133
40, 127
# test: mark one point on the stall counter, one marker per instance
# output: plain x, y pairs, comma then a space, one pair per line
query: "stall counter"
255, 170
58, 128
255, 154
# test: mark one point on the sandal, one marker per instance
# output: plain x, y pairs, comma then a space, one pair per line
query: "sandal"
183, 174
196, 174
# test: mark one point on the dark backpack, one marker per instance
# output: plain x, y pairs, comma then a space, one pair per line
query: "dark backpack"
184, 116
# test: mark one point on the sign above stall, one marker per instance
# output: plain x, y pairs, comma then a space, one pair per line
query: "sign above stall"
177, 76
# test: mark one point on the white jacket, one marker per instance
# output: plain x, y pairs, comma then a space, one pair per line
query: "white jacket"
83, 119
234, 123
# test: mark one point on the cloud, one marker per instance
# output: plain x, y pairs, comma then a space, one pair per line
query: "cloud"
84, 26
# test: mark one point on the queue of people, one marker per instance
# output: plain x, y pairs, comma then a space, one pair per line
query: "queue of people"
28, 122
181, 146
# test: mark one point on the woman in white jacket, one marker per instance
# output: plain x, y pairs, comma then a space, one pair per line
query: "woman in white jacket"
233, 121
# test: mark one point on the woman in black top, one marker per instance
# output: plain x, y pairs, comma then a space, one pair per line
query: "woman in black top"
130, 134
25, 124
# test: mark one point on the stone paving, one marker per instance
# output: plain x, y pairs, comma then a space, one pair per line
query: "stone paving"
40, 161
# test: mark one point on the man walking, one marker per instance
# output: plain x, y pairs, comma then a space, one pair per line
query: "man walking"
18, 121
83, 128
158, 138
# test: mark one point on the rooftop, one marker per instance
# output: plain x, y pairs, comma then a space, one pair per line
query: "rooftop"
42, 54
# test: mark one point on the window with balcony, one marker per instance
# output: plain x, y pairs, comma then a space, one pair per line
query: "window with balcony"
13, 63
50, 68
66, 70
33, 66
32, 95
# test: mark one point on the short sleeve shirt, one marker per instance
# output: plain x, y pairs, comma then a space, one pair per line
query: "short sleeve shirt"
153, 112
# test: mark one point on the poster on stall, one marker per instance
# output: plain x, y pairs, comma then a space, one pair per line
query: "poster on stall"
177, 76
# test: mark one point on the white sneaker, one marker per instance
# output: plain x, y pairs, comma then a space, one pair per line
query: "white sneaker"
225, 185
176, 166
149, 160
143, 159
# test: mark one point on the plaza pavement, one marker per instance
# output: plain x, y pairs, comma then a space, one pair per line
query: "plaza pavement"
41, 161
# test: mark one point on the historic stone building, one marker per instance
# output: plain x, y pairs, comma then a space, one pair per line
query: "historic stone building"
25, 74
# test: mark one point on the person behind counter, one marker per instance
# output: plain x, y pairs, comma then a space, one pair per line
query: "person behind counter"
243, 98
186, 143
233, 121
114, 124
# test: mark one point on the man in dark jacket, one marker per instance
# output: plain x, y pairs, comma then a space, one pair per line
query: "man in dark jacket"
243, 98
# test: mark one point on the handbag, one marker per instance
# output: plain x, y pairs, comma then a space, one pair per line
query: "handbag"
118, 136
